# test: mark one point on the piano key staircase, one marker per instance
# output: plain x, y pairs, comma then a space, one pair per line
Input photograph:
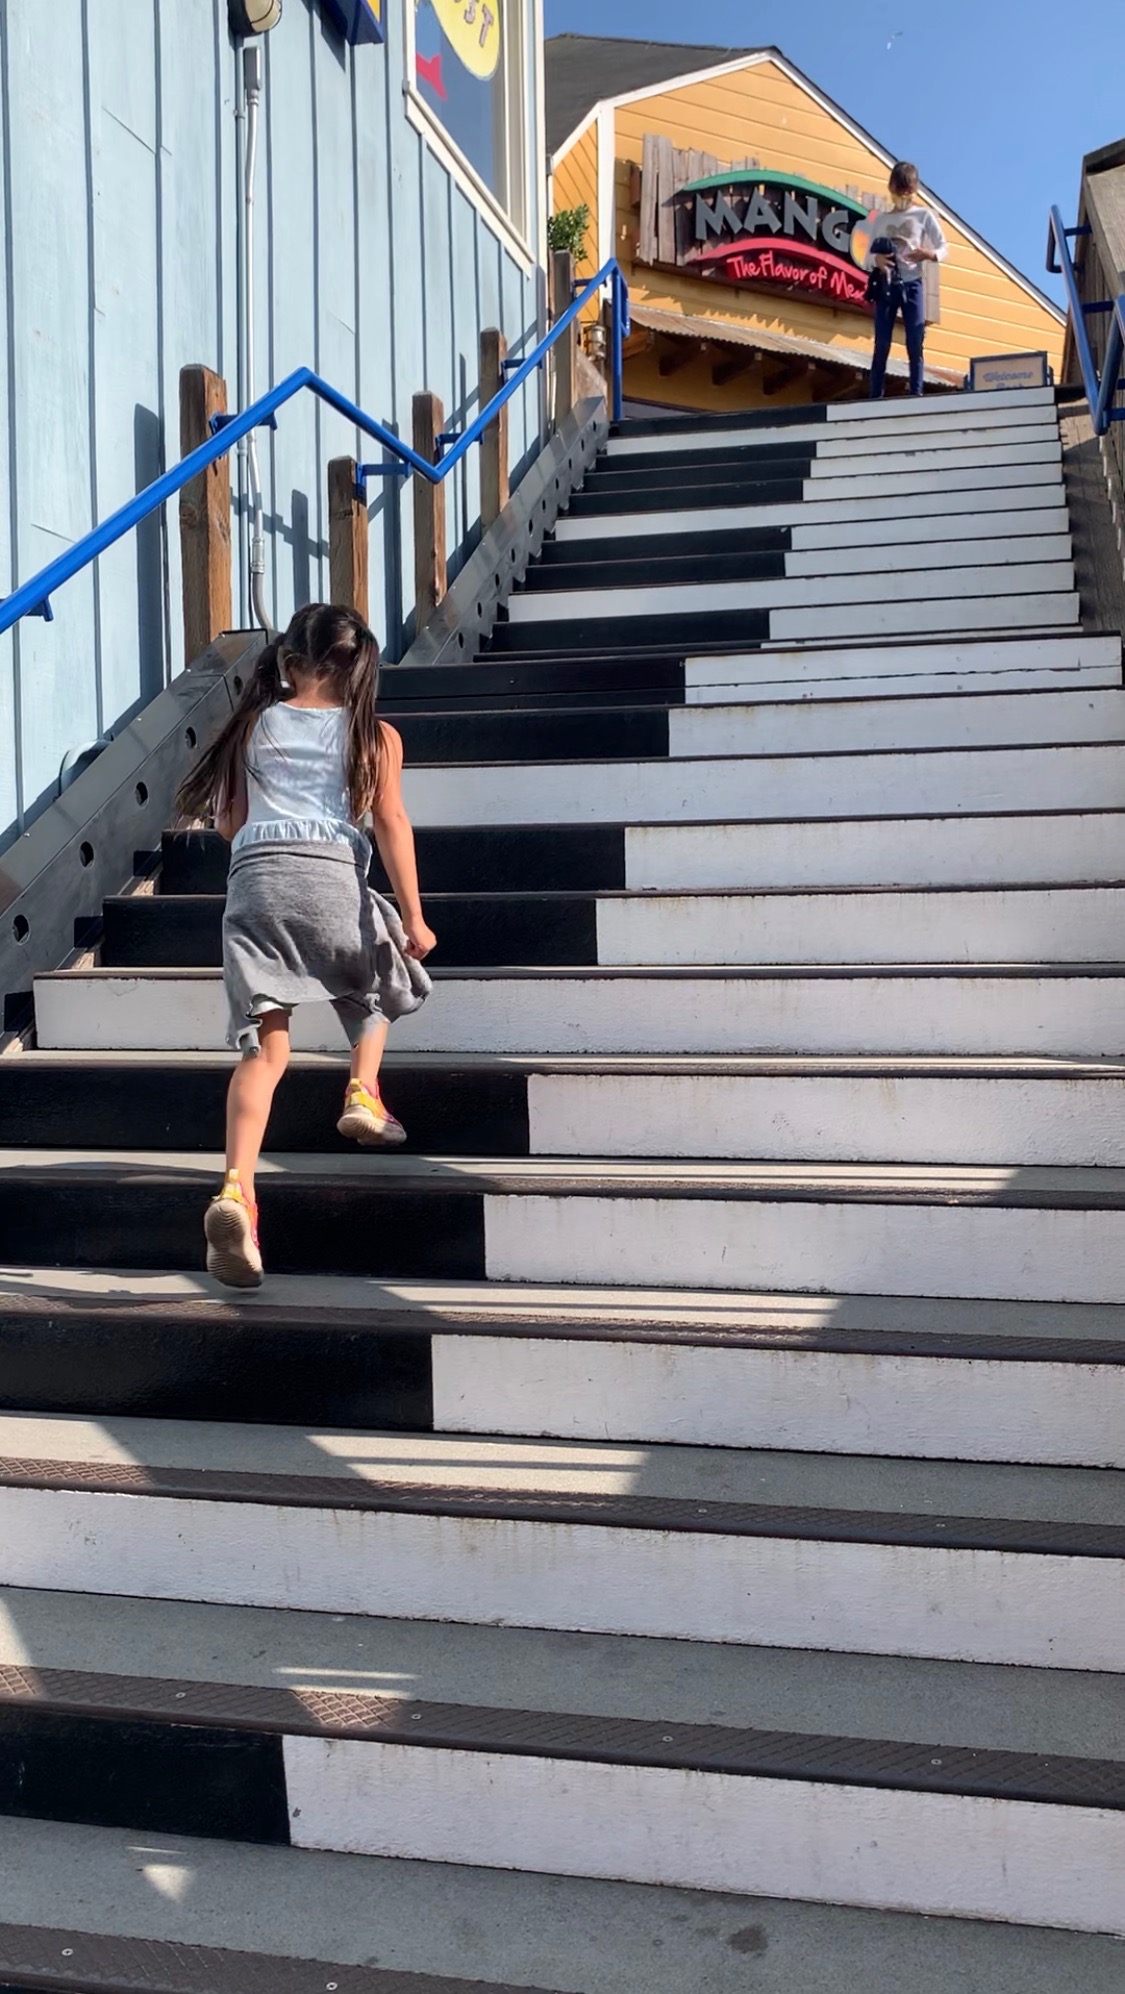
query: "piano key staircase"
697, 1460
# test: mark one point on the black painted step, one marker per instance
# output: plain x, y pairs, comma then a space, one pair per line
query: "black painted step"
741, 627
607, 547
723, 472
564, 734
517, 858
446, 1108
376, 1220
732, 450
277, 1365
643, 497
536, 930
409, 688
686, 425
643, 569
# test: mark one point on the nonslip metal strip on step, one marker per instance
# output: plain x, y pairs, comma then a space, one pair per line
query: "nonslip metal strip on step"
69, 1962
225, 1320
621, 1741
1035, 1538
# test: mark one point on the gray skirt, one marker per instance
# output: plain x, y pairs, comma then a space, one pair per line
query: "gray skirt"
303, 926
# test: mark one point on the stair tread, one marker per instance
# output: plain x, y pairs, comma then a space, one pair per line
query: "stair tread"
834, 1066
749, 972
1048, 1187
978, 1706
666, 1486
428, 1685
34, 1301
186, 1893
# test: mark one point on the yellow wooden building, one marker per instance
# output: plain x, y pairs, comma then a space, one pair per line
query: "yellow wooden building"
728, 185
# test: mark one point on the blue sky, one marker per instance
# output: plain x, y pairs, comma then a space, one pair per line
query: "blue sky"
996, 100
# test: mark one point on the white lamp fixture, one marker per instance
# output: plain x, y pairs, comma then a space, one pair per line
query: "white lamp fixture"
253, 17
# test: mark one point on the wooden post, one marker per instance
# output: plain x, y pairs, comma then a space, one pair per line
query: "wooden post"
494, 447
347, 537
204, 516
566, 349
430, 576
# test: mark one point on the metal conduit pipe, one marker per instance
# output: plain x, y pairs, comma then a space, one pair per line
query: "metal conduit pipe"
252, 78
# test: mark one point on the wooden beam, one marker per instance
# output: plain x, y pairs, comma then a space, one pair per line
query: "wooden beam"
204, 516
566, 348
347, 537
430, 571
725, 371
678, 356
784, 375
494, 489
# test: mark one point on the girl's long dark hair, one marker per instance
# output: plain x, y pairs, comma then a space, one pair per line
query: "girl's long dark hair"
330, 643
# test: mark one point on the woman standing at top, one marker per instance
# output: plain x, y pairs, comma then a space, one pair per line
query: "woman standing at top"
303, 762
907, 236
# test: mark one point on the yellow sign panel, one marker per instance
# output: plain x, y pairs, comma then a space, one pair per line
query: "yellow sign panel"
473, 29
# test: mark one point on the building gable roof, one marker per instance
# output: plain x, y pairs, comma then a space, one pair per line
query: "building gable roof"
583, 70
606, 85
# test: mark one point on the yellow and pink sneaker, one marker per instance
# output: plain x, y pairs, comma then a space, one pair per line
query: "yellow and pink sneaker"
234, 1256
367, 1121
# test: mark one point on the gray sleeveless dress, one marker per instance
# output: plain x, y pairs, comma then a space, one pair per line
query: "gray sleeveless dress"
301, 924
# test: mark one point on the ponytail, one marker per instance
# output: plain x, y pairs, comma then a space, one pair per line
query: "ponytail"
214, 779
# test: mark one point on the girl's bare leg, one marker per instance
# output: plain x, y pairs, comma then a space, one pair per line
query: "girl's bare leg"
368, 1057
250, 1098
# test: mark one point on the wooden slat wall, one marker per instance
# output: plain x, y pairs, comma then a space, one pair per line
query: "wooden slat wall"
763, 110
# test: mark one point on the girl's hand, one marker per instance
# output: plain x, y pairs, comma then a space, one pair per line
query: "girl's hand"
419, 939
923, 254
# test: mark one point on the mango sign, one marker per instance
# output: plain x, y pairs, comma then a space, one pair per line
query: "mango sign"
472, 27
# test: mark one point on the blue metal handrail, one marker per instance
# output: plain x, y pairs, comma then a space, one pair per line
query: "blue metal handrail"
1100, 393
33, 597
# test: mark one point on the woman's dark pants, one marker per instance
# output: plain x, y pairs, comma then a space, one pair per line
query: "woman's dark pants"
907, 298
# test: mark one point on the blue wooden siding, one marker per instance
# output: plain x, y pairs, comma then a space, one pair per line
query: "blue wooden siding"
119, 177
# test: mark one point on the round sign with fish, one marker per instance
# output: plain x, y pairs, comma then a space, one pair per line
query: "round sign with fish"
472, 27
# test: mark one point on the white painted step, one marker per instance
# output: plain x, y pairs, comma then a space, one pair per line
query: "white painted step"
956, 1562
1018, 659
389, 1795
966, 615
834, 1374
880, 511
937, 480
1079, 848
905, 685
1078, 924
836, 1111
938, 782
914, 590
969, 401
959, 1012
922, 459
1021, 661
933, 418
1015, 719
936, 552
980, 525
512, 1927
794, 1231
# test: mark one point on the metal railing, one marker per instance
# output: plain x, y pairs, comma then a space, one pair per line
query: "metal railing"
33, 597
1101, 391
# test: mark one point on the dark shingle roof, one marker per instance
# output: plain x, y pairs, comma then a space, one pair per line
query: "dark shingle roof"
584, 69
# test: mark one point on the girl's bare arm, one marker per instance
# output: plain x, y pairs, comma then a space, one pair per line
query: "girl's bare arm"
232, 811
394, 837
